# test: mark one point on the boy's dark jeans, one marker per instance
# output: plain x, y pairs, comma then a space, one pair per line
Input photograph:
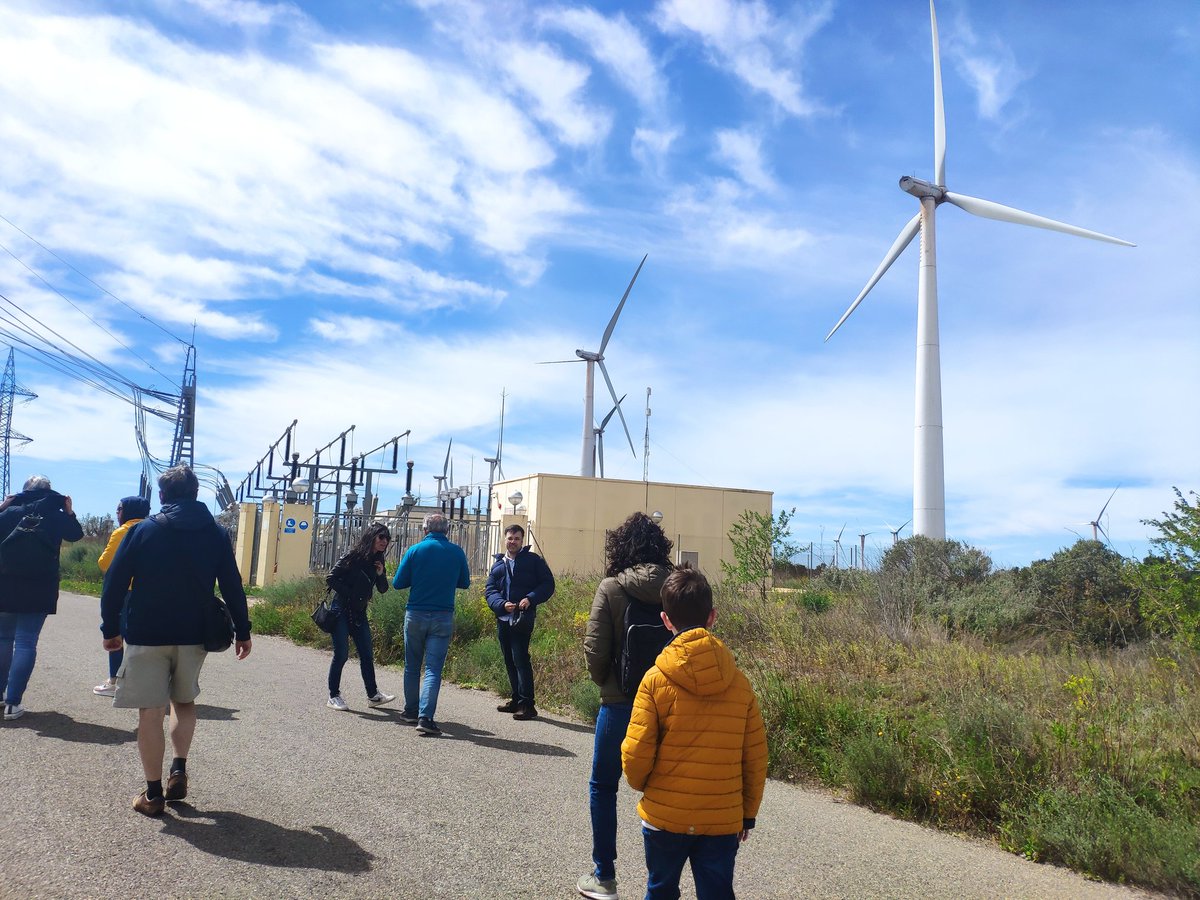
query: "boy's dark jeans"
711, 855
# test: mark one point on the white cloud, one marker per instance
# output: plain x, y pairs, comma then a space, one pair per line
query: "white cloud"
989, 66
747, 39
555, 85
742, 152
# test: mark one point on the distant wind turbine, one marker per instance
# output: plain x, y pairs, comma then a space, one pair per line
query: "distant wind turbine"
862, 550
896, 531
837, 547
929, 487
600, 433
593, 358
1097, 528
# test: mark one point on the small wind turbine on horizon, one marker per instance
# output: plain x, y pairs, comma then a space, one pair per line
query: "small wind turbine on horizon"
837, 548
593, 358
929, 489
1097, 528
896, 531
600, 433
862, 549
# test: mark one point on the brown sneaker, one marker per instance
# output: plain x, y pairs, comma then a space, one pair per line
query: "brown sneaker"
509, 707
148, 807
525, 713
176, 786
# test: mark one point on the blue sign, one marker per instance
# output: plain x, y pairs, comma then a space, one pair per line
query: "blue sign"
290, 523
304, 525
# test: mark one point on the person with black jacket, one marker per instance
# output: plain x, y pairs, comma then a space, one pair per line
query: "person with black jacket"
28, 597
354, 579
518, 582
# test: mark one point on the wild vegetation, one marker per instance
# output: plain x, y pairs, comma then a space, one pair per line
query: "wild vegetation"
1054, 707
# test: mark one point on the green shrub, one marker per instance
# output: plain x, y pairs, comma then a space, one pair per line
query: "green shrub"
266, 619
1082, 594
473, 618
816, 601
386, 613
1098, 828
585, 699
879, 771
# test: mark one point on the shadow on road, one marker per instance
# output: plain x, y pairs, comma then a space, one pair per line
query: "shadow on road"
236, 836
568, 726
61, 726
216, 713
488, 739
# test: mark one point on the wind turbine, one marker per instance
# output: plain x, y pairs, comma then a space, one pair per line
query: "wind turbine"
1097, 528
837, 547
896, 532
929, 483
600, 433
496, 462
441, 479
862, 549
587, 460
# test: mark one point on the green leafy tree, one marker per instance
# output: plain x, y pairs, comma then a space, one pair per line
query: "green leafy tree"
921, 575
1081, 591
758, 540
98, 527
1168, 581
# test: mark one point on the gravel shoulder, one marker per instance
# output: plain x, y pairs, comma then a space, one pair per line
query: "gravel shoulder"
291, 799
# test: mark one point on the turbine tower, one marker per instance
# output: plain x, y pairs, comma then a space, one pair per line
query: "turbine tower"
11, 393
593, 358
599, 431
929, 489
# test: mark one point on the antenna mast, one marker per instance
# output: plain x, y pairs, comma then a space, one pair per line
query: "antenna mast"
646, 446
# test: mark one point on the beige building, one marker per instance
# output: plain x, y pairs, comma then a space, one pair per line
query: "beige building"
570, 514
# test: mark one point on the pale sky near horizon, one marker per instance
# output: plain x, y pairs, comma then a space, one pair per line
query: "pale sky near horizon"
384, 214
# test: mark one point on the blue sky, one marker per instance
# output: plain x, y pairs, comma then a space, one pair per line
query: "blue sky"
385, 214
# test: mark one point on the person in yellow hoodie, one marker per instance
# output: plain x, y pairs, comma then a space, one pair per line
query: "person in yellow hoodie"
130, 511
695, 748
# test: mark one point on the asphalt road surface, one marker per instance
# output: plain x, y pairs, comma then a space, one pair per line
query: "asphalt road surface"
291, 799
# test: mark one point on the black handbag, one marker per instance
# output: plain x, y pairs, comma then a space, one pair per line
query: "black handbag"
218, 626
325, 615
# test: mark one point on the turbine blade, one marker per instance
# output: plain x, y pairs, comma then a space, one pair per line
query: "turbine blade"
604, 423
555, 362
907, 233
600, 450
839, 537
939, 109
608, 381
1106, 502
446, 464
612, 323
989, 210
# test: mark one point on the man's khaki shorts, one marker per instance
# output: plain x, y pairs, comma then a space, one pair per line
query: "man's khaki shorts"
151, 676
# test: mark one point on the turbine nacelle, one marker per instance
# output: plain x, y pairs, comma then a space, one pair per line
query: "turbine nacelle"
588, 355
922, 189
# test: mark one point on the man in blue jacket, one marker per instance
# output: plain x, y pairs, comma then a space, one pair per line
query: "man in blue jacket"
518, 582
432, 569
172, 558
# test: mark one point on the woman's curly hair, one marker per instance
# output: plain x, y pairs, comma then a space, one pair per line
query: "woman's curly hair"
363, 552
635, 541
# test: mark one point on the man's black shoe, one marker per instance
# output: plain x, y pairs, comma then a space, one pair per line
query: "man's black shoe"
509, 707
428, 728
525, 713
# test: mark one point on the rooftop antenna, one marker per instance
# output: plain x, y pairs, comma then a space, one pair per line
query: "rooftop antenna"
929, 483
646, 445
593, 358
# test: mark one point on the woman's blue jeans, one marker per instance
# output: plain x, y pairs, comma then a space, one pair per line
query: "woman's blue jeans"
426, 638
354, 625
611, 725
19, 634
515, 646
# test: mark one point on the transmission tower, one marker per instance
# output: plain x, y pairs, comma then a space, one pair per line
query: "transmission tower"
11, 393
185, 420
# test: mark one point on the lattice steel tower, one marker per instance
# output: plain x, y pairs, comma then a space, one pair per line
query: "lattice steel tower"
11, 394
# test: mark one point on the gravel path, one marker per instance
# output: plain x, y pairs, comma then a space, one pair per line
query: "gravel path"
290, 799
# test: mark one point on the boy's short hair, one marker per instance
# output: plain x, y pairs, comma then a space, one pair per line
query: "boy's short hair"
515, 529
687, 598
178, 483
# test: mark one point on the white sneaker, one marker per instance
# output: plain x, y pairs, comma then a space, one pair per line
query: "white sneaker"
336, 702
380, 698
107, 689
13, 711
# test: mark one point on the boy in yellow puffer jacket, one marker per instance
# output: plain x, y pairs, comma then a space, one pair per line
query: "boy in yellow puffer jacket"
696, 749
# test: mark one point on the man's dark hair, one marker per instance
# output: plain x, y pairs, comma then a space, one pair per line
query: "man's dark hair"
687, 598
635, 541
178, 483
515, 528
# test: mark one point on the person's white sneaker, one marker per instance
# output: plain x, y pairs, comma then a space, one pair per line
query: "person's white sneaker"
13, 711
380, 698
107, 689
336, 702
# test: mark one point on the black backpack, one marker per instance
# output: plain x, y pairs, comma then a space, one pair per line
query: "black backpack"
29, 551
645, 635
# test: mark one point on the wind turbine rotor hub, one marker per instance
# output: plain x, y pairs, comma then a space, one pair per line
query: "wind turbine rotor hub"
588, 355
922, 189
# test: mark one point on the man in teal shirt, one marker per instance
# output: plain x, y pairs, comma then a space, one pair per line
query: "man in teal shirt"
432, 570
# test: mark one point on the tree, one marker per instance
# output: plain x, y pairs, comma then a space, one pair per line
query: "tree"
1081, 591
99, 527
1168, 581
758, 540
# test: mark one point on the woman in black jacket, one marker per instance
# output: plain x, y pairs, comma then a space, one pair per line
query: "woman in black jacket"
354, 579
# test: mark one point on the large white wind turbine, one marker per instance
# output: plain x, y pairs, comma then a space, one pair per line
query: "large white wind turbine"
929, 491
593, 358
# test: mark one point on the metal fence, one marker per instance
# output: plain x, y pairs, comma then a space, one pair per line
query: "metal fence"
335, 534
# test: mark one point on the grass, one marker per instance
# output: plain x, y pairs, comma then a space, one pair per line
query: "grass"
1085, 757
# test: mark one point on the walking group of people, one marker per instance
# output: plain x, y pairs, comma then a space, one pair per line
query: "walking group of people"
688, 734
